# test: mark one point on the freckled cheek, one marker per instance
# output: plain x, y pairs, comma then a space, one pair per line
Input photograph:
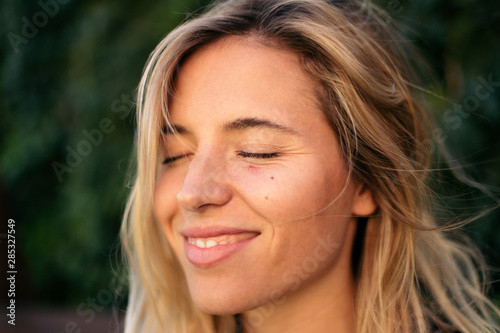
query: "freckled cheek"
261, 186
280, 192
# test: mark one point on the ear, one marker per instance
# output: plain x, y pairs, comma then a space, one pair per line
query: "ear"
363, 204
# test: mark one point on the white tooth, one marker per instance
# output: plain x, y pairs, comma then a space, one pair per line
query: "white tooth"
191, 241
200, 243
211, 243
223, 243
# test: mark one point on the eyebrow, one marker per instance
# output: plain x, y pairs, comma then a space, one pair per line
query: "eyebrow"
239, 124
247, 123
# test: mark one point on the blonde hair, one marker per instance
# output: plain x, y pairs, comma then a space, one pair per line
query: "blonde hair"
409, 276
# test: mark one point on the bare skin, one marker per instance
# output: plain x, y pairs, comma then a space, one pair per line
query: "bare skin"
255, 154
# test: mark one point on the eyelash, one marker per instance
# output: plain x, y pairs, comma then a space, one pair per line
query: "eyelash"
258, 155
169, 160
244, 154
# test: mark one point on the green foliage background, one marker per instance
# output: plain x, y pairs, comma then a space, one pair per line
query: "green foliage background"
83, 65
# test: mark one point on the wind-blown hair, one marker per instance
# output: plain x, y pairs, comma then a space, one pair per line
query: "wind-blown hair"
409, 277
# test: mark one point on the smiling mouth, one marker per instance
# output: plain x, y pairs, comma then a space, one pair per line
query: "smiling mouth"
206, 243
207, 251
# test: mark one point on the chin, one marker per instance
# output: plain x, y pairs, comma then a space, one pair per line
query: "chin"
221, 309
222, 304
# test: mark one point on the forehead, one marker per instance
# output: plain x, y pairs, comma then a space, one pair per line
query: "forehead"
239, 76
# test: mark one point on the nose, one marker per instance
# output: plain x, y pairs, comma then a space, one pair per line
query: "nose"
205, 184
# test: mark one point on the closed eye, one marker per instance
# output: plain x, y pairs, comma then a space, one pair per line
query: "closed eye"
258, 155
172, 159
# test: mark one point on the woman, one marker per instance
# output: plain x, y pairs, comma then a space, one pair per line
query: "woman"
281, 182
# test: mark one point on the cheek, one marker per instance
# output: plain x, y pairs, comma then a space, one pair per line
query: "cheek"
304, 205
258, 184
283, 191
165, 203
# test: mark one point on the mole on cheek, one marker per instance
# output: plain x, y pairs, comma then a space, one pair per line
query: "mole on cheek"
266, 198
272, 177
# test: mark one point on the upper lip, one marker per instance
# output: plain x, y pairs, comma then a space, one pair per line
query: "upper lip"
213, 231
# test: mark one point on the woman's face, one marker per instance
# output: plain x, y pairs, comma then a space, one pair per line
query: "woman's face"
253, 195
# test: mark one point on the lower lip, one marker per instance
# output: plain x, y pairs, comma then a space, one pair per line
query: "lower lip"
210, 256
